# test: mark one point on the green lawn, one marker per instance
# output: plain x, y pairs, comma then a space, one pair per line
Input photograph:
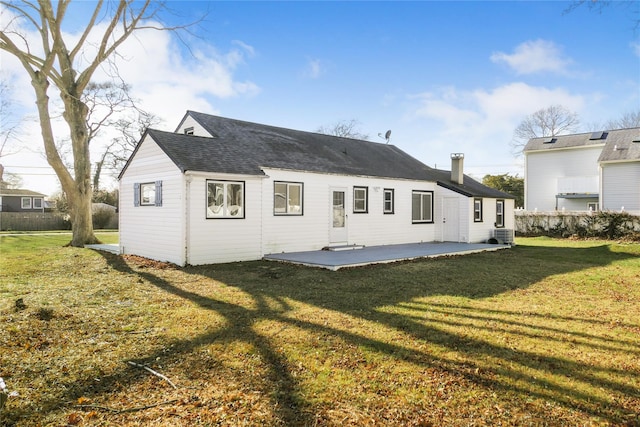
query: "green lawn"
545, 333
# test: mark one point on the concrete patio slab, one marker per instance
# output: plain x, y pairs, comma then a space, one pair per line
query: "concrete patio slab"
114, 248
335, 260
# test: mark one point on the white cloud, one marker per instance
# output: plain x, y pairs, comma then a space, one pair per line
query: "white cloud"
535, 57
480, 122
636, 48
166, 78
314, 68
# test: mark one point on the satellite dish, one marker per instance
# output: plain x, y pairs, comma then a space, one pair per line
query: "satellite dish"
386, 136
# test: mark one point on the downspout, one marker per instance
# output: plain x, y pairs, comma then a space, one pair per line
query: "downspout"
187, 216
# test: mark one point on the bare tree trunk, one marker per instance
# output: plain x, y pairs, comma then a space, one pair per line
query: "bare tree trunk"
78, 190
75, 114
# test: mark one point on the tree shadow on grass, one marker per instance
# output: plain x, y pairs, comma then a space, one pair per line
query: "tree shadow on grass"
366, 292
390, 295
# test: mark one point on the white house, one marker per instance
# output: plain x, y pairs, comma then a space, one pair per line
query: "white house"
221, 190
582, 172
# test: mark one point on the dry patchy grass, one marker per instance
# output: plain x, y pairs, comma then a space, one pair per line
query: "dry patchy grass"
547, 333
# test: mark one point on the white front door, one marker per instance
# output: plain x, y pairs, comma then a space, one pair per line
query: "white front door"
450, 219
338, 216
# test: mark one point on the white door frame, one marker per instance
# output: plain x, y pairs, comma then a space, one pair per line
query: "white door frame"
338, 226
450, 219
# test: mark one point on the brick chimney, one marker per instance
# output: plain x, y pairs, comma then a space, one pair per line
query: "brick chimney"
457, 168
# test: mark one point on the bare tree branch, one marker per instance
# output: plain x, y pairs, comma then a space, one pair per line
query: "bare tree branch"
58, 67
551, 121
344, 129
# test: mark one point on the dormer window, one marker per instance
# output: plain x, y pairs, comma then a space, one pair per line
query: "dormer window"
188, 131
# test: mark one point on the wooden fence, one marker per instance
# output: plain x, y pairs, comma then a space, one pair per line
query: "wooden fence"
32, 221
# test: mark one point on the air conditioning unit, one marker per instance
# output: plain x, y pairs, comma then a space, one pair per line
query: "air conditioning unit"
503, 235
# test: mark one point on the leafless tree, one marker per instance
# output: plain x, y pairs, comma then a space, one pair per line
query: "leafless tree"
551, 121
130, 128
600, 6
344, 128
628, 120
68, 64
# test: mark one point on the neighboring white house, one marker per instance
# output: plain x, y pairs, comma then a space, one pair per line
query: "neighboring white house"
583, 172
222, 190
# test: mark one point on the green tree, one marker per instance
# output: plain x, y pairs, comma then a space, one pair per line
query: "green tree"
513, 185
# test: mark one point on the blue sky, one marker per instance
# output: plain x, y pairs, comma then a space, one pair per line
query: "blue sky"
444, 77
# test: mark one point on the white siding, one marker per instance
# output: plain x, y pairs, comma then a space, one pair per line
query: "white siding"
217, 240
189, 122
310, 231
469, 230
154, 232
545, 170
621, 187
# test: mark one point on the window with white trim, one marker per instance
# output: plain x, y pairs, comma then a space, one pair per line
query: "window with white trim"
26, 203
225, 199
422, 206
287, 198
592, 206
37, 203
148, 194
499, 213
360, 199
388, 202
477, 210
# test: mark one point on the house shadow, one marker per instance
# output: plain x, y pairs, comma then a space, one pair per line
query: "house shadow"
364, 292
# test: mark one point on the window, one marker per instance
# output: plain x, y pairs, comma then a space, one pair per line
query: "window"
37, 203
225, 199
477, 210
287, 198
147, 194
422, 206
188, 131
592, 206
388, 201
360, 199
26, 203
499, 213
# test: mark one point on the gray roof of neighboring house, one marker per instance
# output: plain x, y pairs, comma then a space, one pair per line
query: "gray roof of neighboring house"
20, 192
618, 144
622, 145
245, 148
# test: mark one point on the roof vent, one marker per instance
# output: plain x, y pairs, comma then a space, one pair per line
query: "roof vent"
598, 135
549, 140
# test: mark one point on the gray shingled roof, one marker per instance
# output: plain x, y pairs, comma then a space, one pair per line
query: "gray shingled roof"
621, 146
20, 192
618, 144
245, 148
